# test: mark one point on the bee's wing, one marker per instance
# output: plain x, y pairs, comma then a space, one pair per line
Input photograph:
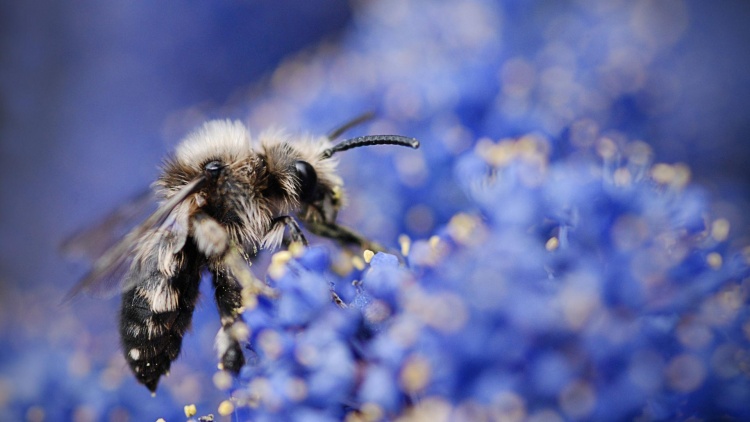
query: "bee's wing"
94, 241
111, 266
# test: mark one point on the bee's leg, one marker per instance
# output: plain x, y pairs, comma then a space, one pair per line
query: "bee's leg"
233, 330
275, 235
213, 242
343, 235
295, 233
155, 314
335, 298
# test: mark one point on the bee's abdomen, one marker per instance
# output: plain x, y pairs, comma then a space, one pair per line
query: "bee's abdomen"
154, 317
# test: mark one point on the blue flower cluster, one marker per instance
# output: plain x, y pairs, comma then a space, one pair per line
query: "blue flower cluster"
591, 287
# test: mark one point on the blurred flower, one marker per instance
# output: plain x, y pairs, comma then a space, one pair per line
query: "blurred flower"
587, 287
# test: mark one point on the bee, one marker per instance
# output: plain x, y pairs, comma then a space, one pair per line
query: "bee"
223, 197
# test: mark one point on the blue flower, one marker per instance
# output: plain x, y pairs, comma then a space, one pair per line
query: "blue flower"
570, 290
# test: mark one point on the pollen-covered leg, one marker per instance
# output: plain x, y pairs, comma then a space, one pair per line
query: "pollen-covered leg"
154, 318
275, 236
229, 349
343, 235
233, 329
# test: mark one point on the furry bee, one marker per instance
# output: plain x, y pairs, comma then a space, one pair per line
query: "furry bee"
222, 197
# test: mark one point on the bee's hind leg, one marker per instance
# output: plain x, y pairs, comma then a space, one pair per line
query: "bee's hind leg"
228, 294
213, 242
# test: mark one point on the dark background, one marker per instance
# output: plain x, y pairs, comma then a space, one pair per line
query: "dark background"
87, 88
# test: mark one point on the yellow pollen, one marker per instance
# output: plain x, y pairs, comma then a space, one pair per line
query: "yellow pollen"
226, 408
190, 410
405, 242
222, 380
358, 263
720, 230
714, 260
552, 244
415, 375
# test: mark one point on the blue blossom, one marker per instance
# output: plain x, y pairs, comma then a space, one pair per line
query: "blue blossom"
574, 292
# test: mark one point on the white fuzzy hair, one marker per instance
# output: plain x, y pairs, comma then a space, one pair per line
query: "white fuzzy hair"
215, 139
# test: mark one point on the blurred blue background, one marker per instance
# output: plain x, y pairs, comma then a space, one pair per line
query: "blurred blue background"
95, 94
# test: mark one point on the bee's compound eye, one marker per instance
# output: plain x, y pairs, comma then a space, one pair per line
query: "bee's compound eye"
213, 168
308, 180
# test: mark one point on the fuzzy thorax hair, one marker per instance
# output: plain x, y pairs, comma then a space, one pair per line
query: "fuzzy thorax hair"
258, 181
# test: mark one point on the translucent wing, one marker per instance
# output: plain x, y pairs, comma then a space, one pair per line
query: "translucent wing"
92, 242
108, 270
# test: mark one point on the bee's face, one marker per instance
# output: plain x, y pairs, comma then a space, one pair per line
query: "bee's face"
299, 176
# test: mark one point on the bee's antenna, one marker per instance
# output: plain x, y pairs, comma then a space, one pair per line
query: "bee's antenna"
363, 141
350, 124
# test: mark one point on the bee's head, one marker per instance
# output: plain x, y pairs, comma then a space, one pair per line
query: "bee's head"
296, 177
308, 188
319, 193
305, 170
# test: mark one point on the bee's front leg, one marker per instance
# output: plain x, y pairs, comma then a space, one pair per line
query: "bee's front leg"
343, 235
275, 236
